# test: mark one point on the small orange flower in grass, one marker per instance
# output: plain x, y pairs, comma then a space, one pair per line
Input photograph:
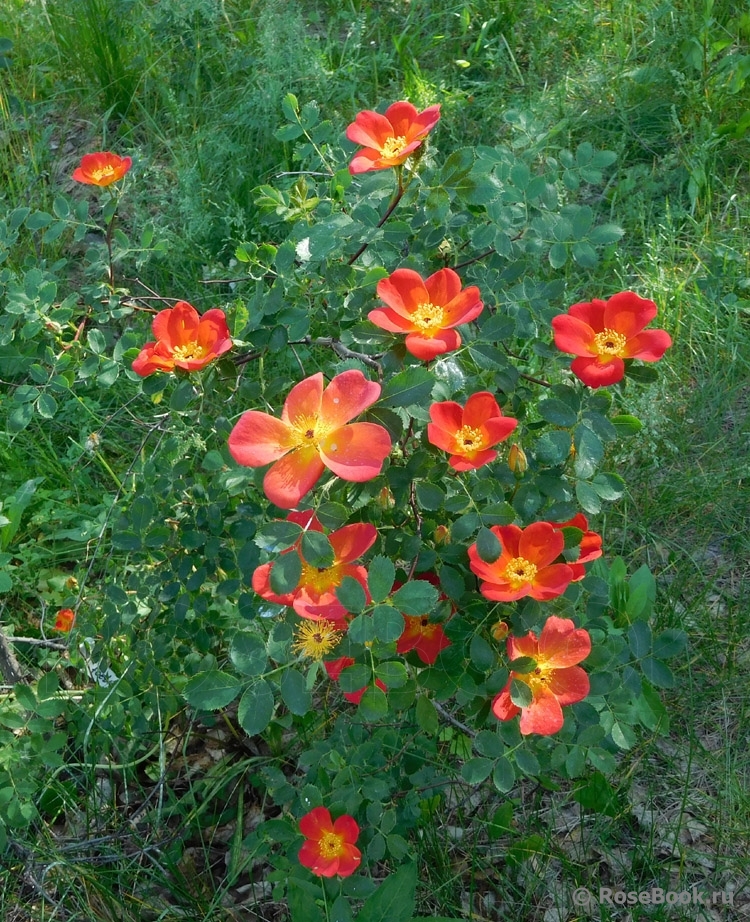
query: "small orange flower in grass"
314, 597
468, 433
329, 849
590, 547
334, 668
184, 339
64, 620
427, 310
604, 333
555, 681
102, 168
525, 566
314, 433
390, 138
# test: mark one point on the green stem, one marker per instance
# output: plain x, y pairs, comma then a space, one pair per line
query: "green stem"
398, 195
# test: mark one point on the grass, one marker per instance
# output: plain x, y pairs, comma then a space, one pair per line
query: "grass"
659, 83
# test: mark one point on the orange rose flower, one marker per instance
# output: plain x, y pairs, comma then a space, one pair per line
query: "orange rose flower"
329, 849
314, 597
525, 566
102, 168
468, 433
604, 333
314, 433
389, 139
555, 681
64, 620
590, 547
184, 339
427, 310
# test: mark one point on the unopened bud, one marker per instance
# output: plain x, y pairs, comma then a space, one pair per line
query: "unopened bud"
442, 534
385, 499
71, 583
517, 460
500, 630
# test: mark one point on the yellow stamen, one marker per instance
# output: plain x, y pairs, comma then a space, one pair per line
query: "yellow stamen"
610, 342
469, 440
316, 638
428, 317
320, 580
520, 571
102, 172
191, 350
330, 845
393, 147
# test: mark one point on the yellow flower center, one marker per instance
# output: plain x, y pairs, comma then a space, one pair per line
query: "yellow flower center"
331, 845
188, 351
310, 431
469, 440
393, 147
316, 638
102, 172
321, 580
610, 342
428, 317
520, 571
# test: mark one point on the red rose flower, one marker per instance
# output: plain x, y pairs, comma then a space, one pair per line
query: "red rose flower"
64, 620
427, 310
184, 339
555, 681
468, 433
329, 849
314, 433
603, 333
389, 139
102, 168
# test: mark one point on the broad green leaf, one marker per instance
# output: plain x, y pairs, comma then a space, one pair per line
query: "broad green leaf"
285, 573
374, 704
248, 653
316, 549
392, 674
427, 716
380, 577
211, 690
294, 692
393, 901
417, 597
388, 623
476, 770
558, 413
277, 536
413, 386
352, 595
488, 545
255, 709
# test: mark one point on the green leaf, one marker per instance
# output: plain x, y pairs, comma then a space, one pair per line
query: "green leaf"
488, 545
361, 629
670, 643
597, 794
355, 677
295, 693
392, 674
248, 653
558, 413
429, 496
558, 255
504, 775
374, 704
657, 673
285, 573
520, 693
380, 577
413, 386
553, 447
46, 406
639, 639
588, 497
255, 709
605, 233
417, 597
211, 690
290, 107
427, 716
277, 536
489, 744
388, 623
589, 452
476, 770
527, 762
302, 907
316, 549
482, 655
626, 425
585, 255
393, 901
352, 595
